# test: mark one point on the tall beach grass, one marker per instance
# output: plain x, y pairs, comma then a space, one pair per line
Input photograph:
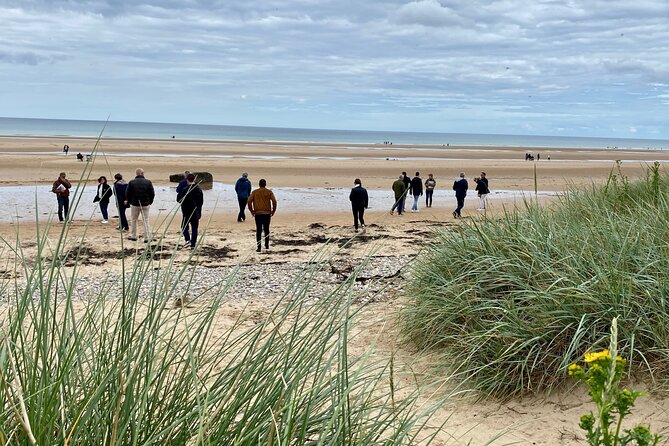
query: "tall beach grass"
509, 303
124, 367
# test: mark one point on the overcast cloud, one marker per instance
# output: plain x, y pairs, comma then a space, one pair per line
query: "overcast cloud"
584, 68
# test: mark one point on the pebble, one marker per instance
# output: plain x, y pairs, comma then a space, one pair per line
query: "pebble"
270, 281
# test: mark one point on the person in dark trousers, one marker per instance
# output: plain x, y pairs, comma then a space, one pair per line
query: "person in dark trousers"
359, 201
139, 196
400, 190
191, 208
182, 187
243, 190
262, 205
102, 196
407, 185
430, 184
460, 187
61, 187
120, 186
416, 190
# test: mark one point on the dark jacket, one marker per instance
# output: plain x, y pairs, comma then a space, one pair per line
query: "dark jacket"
182, 187
120, 186
482, 186
407, 182
416, 187
359, 197
191, 204
399, 188
243, 188
460, 187
104, 195
140, 192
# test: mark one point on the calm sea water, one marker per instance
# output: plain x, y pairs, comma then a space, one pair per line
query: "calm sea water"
151, 130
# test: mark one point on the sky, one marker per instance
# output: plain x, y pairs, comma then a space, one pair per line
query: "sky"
538, 67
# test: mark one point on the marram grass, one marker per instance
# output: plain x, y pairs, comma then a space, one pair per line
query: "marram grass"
509, 303
126, 368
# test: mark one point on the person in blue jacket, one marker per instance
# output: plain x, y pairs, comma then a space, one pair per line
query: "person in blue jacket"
120, 186
460, 187
243, 190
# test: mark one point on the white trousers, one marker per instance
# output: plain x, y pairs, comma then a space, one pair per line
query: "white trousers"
482, 201
135, 212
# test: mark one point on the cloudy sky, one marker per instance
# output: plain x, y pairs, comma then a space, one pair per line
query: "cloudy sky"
582, 68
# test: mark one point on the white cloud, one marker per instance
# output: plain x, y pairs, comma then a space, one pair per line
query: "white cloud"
410, 63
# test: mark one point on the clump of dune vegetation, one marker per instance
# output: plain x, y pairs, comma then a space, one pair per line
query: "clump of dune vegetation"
508, 304
124, 366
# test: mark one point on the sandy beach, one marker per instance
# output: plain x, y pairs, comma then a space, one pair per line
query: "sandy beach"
311, 182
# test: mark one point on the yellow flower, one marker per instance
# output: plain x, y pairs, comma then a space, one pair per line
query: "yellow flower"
592, 357
574, 370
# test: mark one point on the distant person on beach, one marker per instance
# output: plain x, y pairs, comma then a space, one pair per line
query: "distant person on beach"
182, 187
140, 195
400, 189
262, 205
416, 190
61, 187
104, 192
430, 184
120, 188
80, 157
359, 202
191, 208
243, 190
66, 149
482, 190
460, 187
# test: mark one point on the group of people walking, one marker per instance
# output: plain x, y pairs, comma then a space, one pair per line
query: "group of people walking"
138, 195
404, 186
415, 187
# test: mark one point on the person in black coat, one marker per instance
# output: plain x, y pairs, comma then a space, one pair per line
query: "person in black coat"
120, 186
191, 208
359, 202
102, 196
416, 189
460, 187
139, 196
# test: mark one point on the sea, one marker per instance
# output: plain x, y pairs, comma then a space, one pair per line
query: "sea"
168, 131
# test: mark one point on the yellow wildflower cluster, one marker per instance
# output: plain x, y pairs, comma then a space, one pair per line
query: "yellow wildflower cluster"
592, 357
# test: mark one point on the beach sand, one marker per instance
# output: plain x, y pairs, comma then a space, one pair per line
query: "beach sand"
311, 181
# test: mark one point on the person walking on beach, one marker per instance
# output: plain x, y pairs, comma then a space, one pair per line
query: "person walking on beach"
460, 187
399, 189
243, 190
182, 187
407, 185
120, 187
262, 206
482, 190
66, 149
359, 202
102, 196
139, 196
430, 184
416, 190
61, 187
191, 208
